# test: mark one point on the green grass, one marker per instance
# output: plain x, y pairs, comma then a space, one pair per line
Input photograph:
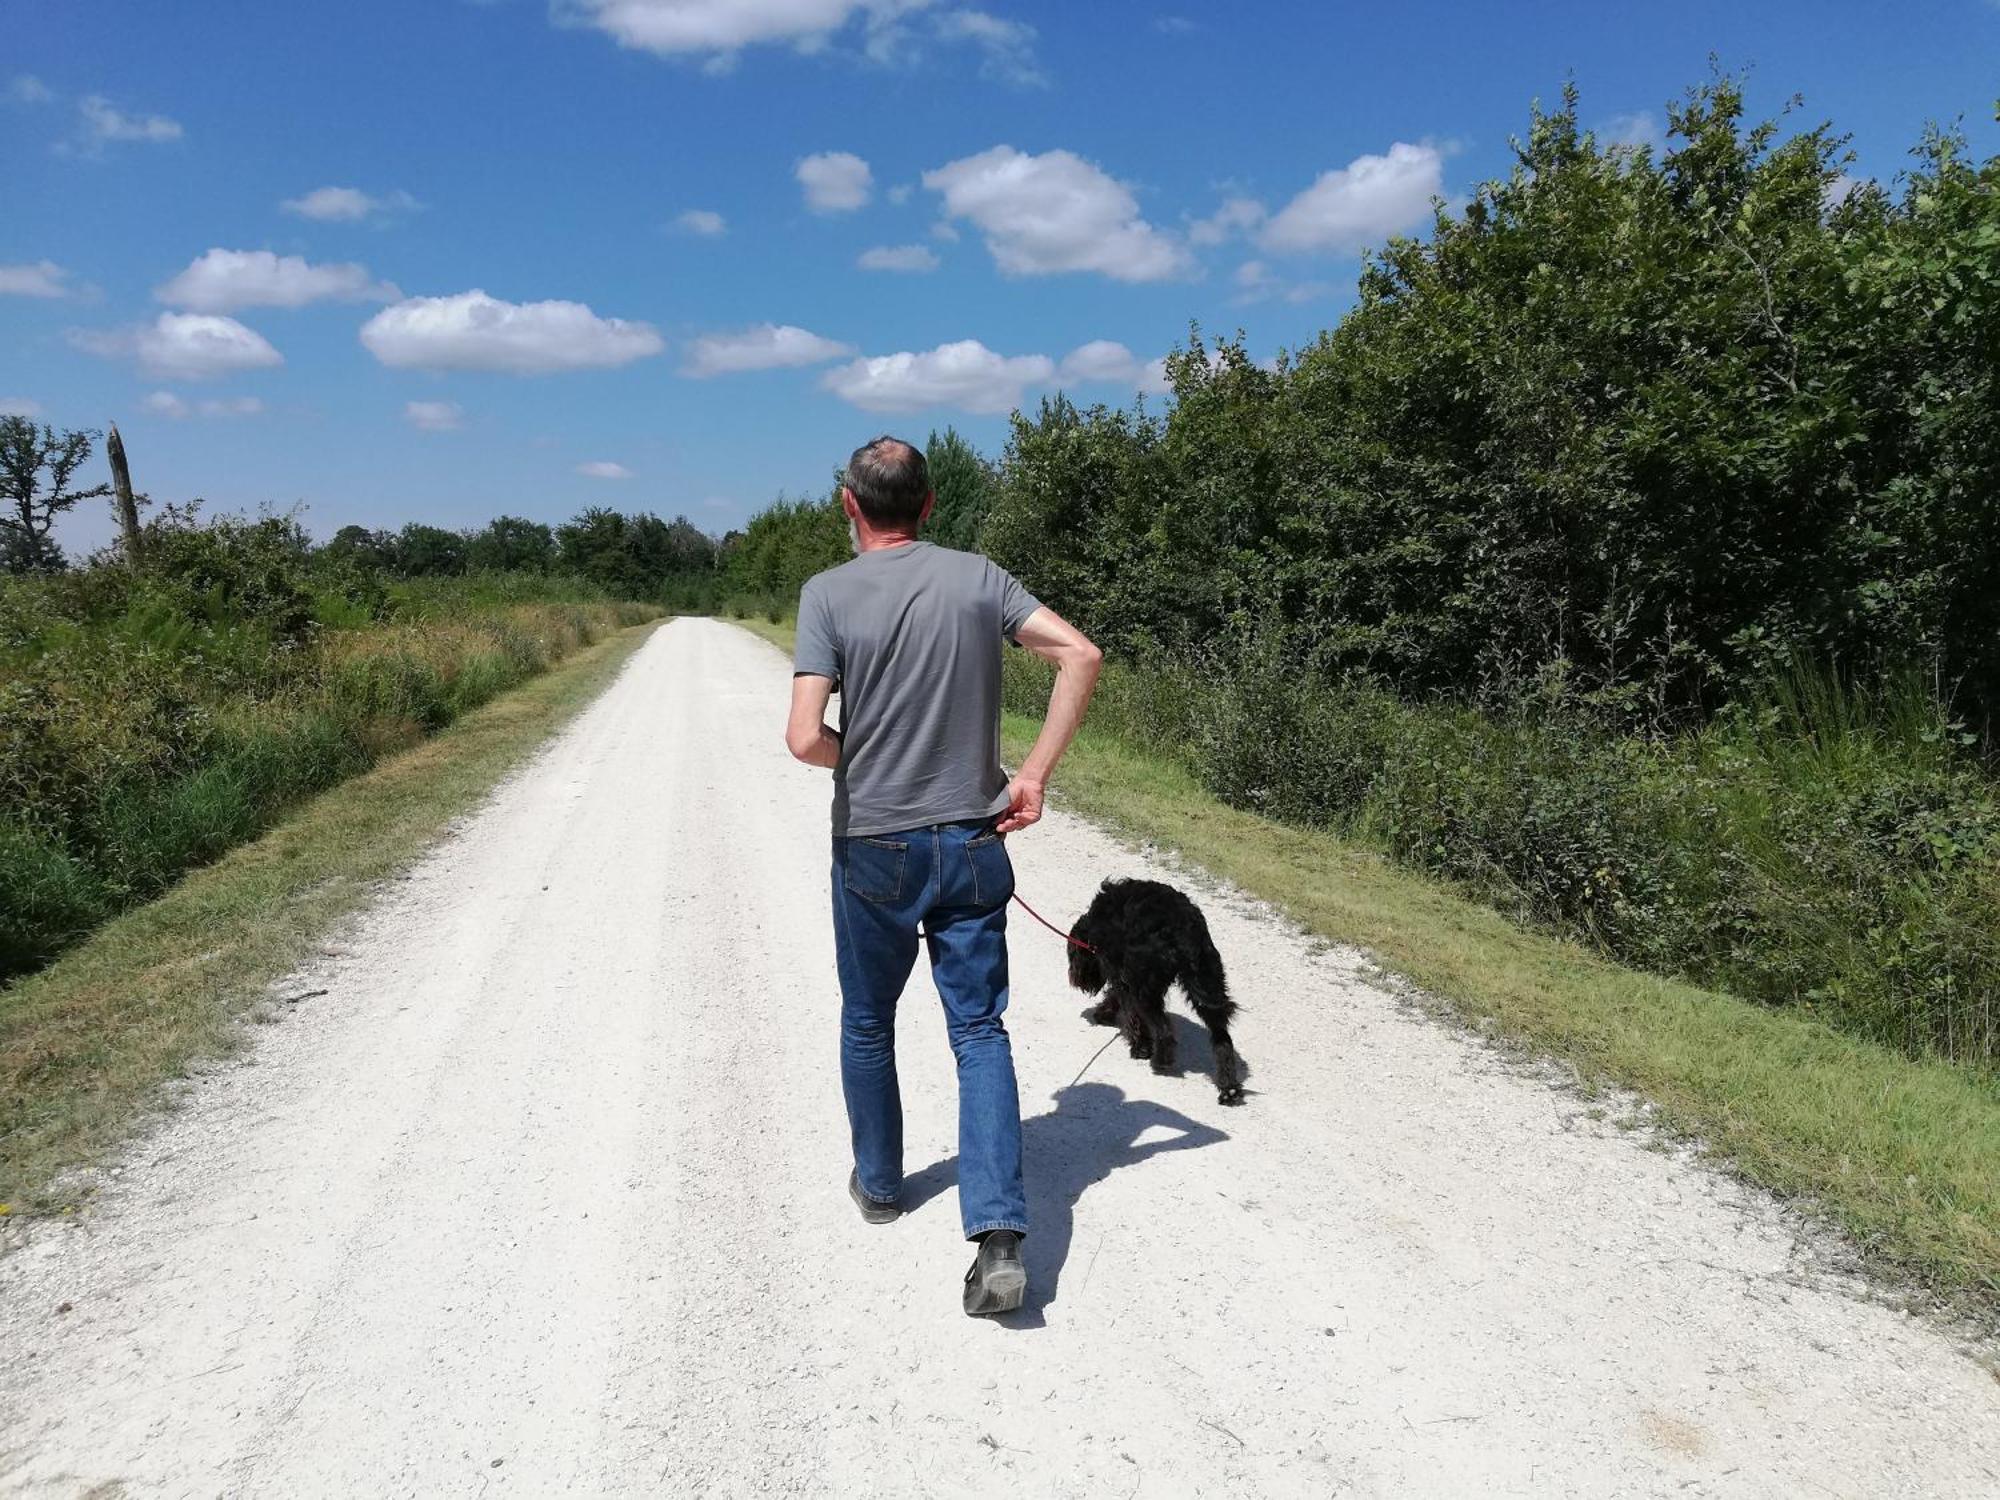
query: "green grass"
88, 1041
1902, 1155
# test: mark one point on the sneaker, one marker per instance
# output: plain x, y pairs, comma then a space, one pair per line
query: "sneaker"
874, 1210
997, 1281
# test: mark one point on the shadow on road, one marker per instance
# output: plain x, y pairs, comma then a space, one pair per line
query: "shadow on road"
1092, 1132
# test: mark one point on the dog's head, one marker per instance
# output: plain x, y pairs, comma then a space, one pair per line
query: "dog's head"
1085, 972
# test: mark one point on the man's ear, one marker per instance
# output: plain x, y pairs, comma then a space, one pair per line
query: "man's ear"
930, 503
849, 504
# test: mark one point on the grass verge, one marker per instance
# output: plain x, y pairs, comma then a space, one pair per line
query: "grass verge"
1902, 1156
88, 1040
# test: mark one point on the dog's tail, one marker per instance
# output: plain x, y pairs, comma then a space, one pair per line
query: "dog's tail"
1208, 992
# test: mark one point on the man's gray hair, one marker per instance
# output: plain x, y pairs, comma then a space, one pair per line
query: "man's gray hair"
890, 483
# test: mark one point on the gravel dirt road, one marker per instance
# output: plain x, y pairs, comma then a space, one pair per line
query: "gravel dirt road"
545, 1196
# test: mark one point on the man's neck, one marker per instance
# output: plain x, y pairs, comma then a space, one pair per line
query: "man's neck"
881, 541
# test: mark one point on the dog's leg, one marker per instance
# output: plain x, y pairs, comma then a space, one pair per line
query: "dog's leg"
1228, 1066
1104, 1013
1208, 992
1166, 1050
1149, 1006
1132, 1025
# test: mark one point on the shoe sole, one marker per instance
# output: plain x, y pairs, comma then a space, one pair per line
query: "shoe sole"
1000, 1292
873, 1212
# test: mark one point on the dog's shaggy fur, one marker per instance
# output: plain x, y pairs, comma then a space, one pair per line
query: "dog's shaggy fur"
1144, 936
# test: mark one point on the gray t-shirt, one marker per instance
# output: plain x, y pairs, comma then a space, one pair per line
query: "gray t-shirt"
911, 637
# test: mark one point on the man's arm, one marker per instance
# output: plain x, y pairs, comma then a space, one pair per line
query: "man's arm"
806, 734
1053, 639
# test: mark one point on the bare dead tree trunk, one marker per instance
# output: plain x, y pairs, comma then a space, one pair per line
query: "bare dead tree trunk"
128, 509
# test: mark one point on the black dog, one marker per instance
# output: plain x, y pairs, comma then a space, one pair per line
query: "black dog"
1139, 937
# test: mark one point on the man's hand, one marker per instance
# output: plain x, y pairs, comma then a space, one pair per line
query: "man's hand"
1024, 806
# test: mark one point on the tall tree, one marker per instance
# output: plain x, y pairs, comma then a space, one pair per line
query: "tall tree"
430, 551
37, 467
512, 544
964, 485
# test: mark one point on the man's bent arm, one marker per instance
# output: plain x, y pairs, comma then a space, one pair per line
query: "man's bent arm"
806, 734
1077, 661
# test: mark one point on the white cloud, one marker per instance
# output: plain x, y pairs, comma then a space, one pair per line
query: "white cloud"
702, 221
898, 258
334, 205
183, 346
25, 88
1100, 359
20, 406
1237, 215
768, 346
1173, 25
167, 404
434, 416
225, 280
900, 193
716, 31
103, 122
603, 468
1640, 128
42, 278
720, 28
1359, 205
1153, 380
966, 375
1056, 212
1257, 282
472, 331
943, 230
835, 182
1007, 47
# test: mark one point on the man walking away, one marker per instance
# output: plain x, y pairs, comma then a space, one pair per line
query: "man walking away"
910, 635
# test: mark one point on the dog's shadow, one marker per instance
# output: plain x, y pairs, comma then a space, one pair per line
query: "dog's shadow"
1092, 1132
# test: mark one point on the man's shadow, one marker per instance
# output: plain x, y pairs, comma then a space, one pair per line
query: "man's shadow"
1092, 1132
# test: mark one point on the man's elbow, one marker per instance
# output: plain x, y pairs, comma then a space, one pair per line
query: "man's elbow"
800, 744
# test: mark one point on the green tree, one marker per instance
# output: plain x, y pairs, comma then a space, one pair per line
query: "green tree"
374, 551
1639, 426
591, 544
430, 551
964, 484
785, 544
37, 471
512, 544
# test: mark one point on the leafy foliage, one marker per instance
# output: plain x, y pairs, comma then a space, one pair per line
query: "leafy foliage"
150, 721
1644, 428
965, 485
1627, 554
37, 476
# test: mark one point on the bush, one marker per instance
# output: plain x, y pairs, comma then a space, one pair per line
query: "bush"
150, 723
1832, 851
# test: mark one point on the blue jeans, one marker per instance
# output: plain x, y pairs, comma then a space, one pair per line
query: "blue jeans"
955, 879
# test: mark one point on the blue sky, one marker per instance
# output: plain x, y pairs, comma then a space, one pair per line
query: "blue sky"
252, 233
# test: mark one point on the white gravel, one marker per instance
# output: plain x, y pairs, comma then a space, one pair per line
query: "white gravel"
545, 1196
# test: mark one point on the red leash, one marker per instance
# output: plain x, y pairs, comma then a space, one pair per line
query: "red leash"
1066, 937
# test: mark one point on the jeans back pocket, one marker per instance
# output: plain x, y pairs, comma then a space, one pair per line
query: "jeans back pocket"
873, 868
992, 869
